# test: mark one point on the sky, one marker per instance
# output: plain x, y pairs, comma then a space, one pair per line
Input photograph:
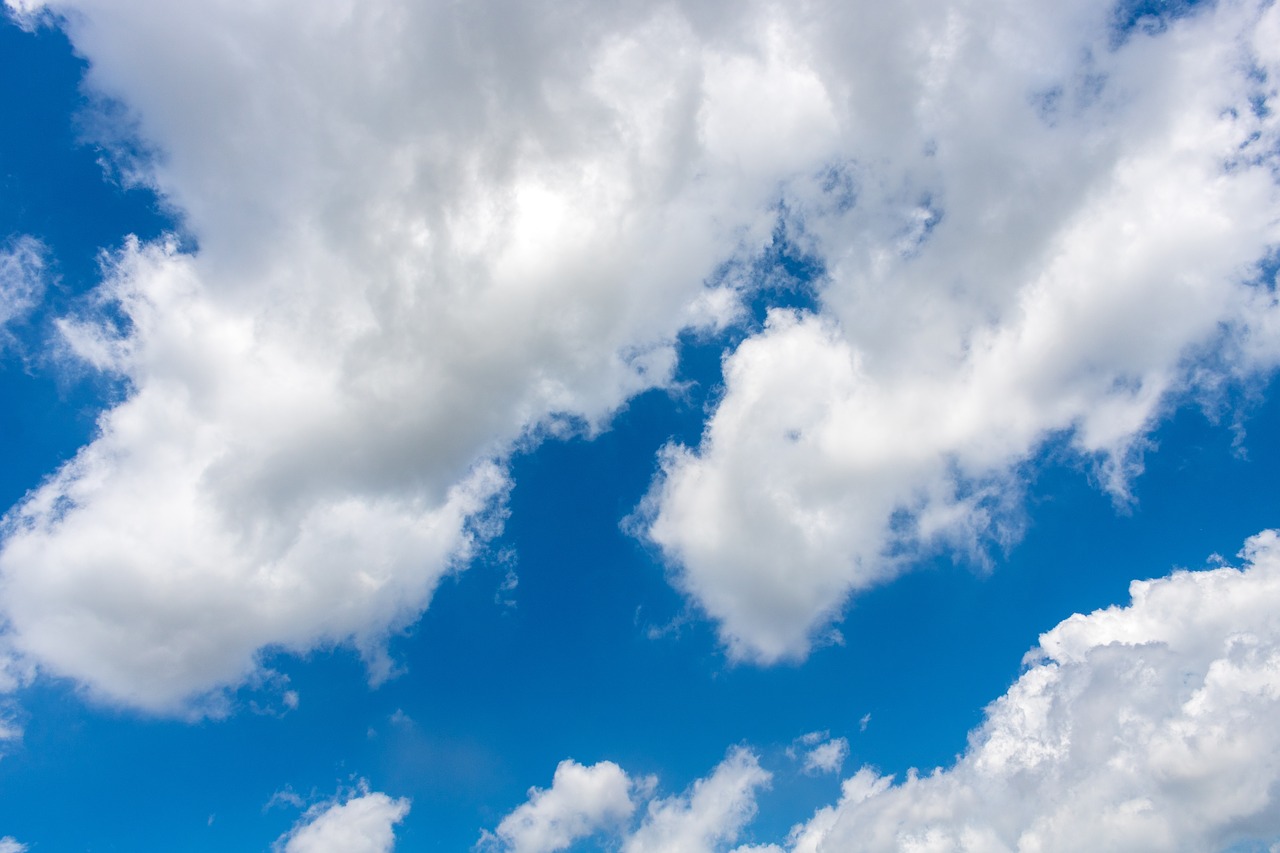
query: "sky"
701, 427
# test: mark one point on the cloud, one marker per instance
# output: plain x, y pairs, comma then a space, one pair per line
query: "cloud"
430, 233
1146, 727
458, 239
22, 279
823, 753
364, 824
9, 844
1042, 237
580, 802
586, 800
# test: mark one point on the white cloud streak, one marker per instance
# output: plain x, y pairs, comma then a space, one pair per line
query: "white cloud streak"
429, 232
363, 824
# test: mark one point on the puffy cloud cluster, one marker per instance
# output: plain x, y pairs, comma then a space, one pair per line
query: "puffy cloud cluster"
1148, 727
363, 824
586, 801
1042, 234
428, 232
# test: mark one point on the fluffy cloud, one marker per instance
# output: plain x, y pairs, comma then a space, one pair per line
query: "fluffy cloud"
1146, 727
580, 802
585, 800
426, 232
9, 844
364, 824
1043, 235
429, 232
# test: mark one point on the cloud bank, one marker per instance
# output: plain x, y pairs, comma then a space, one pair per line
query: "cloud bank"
419, 235
1148, 727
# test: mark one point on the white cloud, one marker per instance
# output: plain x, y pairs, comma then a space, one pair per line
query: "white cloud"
580, 802
1050, 238
9, 844
429, 239
586, 800
364, 824
712, 812
1147, 727
22, 279
432, 231
826, 755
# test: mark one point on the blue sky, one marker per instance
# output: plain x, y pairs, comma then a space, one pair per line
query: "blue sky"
525, 428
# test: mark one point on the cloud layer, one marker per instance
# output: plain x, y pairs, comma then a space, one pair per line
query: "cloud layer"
1148, 727
430, 233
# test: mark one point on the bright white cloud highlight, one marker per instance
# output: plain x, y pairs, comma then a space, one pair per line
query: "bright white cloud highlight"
580, 802
364, 824
1041, 236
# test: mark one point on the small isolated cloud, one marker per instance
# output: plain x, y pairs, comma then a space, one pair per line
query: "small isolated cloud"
362, 824
9, 844
823, 753
580, 802
587, 800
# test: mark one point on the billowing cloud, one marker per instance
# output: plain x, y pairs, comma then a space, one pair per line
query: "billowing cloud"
1148, 727
417, 235
586, 800
363, 824
441, 231
580, 802
1042, 236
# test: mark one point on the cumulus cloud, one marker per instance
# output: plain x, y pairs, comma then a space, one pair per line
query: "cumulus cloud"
585, 800
1041, 235
9, 844
580, 802
1146, 727
444, 230
364, 824
431, 232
